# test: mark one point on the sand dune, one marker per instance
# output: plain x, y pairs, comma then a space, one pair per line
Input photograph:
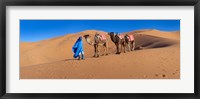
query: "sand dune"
158, 57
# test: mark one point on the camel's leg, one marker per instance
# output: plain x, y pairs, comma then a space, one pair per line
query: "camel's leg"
133, 48
123, 45
117, 47
106, 48
129, 46
97, 47
95, 51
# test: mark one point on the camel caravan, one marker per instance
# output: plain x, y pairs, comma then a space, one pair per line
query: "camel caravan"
121, 41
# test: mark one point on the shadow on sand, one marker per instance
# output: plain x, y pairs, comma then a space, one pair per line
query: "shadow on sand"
71, 59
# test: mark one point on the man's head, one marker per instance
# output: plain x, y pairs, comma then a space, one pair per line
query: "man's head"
80, 37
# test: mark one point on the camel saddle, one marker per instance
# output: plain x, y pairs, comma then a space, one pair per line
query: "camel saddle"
101, 36
121, 36
130, 37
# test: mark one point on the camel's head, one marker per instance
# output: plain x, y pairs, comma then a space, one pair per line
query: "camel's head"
86, 36
126, 35
111, 33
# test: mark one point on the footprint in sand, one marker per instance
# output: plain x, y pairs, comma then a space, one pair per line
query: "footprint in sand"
175, 72
90, 76
145, 76
156, 75
163, 75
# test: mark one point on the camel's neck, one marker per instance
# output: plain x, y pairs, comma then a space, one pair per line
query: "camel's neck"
89, 41
113, 38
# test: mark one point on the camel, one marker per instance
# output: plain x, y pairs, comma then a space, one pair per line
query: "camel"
118, 41
97, 42
130, 41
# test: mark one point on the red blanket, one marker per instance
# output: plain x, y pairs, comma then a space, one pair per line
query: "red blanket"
131, 38
121, 36
102, 37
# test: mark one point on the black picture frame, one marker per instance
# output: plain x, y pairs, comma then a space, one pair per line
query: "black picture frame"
4, 3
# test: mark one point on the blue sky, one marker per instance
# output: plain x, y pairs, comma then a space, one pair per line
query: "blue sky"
36, 30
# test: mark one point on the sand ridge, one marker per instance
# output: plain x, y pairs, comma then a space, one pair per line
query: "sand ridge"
158, 58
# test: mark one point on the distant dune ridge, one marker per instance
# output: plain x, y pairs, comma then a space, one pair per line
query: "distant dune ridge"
157, 56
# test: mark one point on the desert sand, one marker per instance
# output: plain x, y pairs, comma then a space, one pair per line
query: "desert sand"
157, 57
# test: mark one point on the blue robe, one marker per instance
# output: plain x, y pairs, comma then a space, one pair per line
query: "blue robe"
78, 47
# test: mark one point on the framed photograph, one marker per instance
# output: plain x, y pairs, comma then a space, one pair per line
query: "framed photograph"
100, 49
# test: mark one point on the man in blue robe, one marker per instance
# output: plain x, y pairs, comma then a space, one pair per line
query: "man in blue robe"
78, 49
